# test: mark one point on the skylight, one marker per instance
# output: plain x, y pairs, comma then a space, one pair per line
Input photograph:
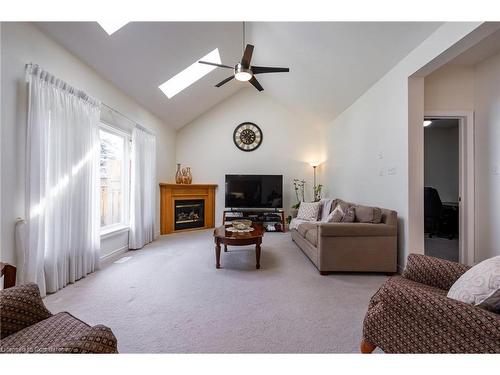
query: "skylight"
110, 26
190, 75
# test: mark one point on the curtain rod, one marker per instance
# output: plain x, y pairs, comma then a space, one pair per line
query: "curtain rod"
129, 119
30, 68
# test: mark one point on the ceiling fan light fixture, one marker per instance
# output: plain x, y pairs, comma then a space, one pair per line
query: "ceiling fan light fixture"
242, 74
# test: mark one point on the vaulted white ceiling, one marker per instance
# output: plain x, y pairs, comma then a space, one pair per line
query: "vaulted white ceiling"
331, 63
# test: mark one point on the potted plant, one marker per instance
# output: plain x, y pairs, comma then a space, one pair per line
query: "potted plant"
317, 192
299, 187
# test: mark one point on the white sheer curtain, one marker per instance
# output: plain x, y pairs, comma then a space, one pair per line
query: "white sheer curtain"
62, 186
143, 189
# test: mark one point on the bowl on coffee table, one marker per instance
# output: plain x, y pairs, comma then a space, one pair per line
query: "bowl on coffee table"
241, 224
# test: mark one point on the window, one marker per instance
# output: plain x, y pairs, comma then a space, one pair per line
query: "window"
190, 75
114, 174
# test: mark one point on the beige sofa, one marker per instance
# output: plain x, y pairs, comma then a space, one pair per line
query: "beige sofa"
352, 247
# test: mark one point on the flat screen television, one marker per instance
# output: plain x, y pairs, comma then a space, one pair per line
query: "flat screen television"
254, 191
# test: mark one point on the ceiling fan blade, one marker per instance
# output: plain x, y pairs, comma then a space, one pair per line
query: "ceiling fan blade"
224, 81
247, 56
256, 84
214, 64
268, 69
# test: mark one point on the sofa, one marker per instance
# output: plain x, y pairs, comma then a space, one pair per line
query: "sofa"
350, 247
412, 314
26, 326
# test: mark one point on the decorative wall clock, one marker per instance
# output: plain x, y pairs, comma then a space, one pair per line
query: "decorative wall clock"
247, 136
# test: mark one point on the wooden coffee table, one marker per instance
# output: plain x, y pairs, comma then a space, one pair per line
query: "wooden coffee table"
225, 237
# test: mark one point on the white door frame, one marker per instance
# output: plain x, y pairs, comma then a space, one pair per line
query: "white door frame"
466, 180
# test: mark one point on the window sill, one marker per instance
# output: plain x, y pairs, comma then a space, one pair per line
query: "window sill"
113, 231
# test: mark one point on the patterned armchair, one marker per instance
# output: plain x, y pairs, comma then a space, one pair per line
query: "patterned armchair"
26, 326
411, 314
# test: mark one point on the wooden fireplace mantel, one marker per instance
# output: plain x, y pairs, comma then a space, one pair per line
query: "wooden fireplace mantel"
169, 193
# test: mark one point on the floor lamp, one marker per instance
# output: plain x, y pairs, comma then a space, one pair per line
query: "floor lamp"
314, 164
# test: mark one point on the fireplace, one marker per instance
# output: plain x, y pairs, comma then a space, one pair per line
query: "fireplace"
189, 213
173, 217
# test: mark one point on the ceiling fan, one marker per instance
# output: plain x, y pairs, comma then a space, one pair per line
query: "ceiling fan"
243, 71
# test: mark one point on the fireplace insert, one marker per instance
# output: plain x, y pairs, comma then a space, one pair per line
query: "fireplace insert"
189, 213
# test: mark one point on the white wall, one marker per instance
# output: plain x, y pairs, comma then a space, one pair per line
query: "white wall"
23, 43
289, 143
367, 145
441, 161
450, 88
487, 157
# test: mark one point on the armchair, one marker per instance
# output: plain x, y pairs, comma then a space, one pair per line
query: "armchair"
26, 326
411, 314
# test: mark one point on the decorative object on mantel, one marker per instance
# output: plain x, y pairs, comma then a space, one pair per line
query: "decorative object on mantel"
187, 178
247, 136
183, 175
178, 175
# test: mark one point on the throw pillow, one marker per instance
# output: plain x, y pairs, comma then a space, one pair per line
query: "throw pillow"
325, 209
492, 303
480, 285
336, 215
349, 215
308, 211
367, 214
343, 204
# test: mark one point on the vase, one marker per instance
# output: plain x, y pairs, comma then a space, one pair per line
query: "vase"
178, 175
184, 177
189, 176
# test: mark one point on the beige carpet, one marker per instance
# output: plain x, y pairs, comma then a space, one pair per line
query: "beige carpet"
169, 298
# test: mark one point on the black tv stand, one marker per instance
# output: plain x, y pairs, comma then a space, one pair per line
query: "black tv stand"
274, 217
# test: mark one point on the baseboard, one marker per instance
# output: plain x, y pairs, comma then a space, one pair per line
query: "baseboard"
115, 254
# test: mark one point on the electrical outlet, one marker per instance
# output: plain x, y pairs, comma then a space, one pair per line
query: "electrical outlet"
392, 171
380, 155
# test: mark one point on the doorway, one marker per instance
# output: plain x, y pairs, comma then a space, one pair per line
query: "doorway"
441, 187
449, 187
